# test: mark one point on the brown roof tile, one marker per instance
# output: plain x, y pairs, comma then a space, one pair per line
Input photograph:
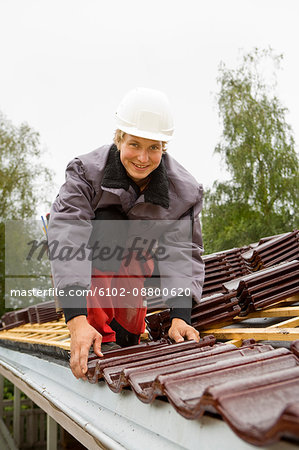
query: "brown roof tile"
254, 406
255, 388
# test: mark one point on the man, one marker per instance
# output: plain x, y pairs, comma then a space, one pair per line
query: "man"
130, 181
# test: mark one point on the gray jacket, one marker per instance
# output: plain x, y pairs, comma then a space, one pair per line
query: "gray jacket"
97, 180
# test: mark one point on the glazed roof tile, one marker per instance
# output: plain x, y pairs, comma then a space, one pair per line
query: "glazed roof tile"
139, 353
269, 405
295, 348
146, 383
120, 376
185, 390
265, 287
255, 388
40, 313
279, 249
212, 309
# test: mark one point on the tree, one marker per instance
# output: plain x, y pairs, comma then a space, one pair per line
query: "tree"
24, 181
258, 149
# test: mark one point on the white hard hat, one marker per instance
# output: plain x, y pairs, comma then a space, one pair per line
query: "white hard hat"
145, 113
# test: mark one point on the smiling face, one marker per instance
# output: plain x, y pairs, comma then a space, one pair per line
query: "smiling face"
139, 156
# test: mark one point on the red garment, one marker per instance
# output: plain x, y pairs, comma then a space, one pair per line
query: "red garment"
102, 309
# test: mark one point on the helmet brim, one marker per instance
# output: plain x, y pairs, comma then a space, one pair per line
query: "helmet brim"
145, 134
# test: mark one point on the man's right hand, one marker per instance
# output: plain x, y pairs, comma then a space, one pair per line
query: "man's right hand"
83, 336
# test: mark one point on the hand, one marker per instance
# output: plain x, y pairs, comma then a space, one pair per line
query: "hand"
180, 329
83, 336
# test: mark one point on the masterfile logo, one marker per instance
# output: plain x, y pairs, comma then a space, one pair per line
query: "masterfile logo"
75, 250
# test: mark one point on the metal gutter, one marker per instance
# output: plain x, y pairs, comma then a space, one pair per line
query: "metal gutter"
98, 418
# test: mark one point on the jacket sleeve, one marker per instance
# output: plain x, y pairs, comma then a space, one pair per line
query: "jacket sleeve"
184, 272
198, 268
68, 235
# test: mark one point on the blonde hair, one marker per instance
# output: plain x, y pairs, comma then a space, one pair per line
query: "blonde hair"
119, 136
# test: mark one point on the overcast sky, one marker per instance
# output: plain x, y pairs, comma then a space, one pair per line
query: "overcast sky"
66, 64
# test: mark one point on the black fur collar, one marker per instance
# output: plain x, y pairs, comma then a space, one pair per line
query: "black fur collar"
115, 176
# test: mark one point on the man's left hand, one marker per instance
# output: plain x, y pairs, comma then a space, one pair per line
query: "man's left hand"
180, 330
